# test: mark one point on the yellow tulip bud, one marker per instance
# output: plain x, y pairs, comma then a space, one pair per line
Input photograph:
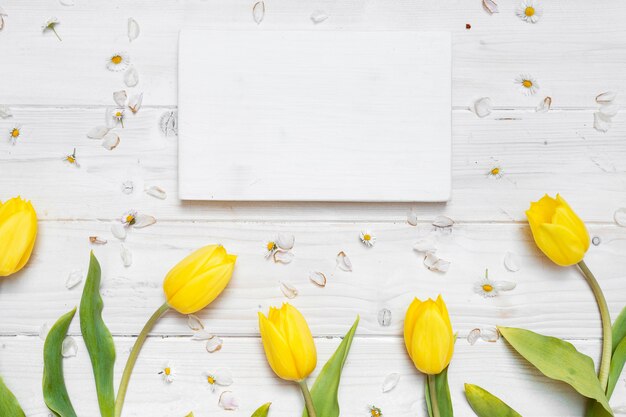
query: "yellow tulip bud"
18, 230
428, 335
288, 343
198, 279
558, 231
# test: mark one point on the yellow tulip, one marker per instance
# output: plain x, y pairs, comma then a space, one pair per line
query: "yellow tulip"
428, 335
558, 231
18, 230
288, 343
198, 279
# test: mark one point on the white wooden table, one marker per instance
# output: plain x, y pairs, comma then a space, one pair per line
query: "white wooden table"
59, 90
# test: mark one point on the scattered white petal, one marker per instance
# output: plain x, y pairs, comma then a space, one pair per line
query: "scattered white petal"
283, 256
120, 98
544, 105
434, 263
609, 110
285, 241
5, 112
128, 187
133, 29
530, 11
367, 238
67, 2
384, 317
228, 401
510, 262
490, 6
411, 218
258, 12
131, 78
169, 123
69, 347
43, 331
143, 220
194, 323
73, 279
288, 290
504, 285
119, 231
600, 122
482, 107
620, 409
473, 336
620, 216
443, 222
318, 278
126, 255
318, 16
606, 97
390, 382
134, 104
596, 240
202, 335
98, 132
95, 240
110, 141
156, 192
223, 377
489, 334
343, 262
214, 344
2, 21
425, 245
527, 84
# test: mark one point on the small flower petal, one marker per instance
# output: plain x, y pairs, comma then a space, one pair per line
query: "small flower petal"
443, 222
98, 132
194, 322
510, 262
69, 347
73, 279
283, 257
133, 29
318, 278
390, 382
482, 107
214, 344
228, 401
343, 262
434, 263
258, 12
131, 78
288, 290
126, 255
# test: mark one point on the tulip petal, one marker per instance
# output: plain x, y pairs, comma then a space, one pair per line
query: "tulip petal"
17, 237
567, 217
276, 350
559, 244
300, 341
432, 342
543, 209
409, 324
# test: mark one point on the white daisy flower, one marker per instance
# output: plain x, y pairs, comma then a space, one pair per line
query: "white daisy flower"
50, 24
129, 218
529, 11
118, 116
14, 134
527, 84
367, 238
71, 159
374, 411
488, 288
270, 248
118, 61
495, 172
168, 373
220, 378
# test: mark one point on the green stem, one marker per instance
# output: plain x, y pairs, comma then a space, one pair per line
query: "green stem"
432, 389
307, 399
132, 358
607, 344
55, 32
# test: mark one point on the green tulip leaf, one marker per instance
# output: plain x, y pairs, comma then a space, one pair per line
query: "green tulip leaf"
617, 364
443, 395
54, 391
262, 410
324, 391
486, 404
8, 403
558, 360
619, 329
98, 339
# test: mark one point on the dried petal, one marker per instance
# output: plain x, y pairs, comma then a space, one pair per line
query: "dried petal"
384, 317
202, 335
620, 216
434, 263
110, 141
489, 334
128, 187
490, 6
285, 241
343, 262
318, 16
228, 401
600, 122
134, 104
482, 107
258, 12
131, 78
443, 221
609, 110
73, 279
544, 105
288, 290
282, 256
95, 240
43, 331
118, 230
510, 262
156, 192
5, 111
169, 123
390, 382
133, 29
606, 97
411, 218
504, 285
120, 98
214, 344
69, 347
126, 255
473, 336
143, 220
425, 245
194, 323
98, 132
318, 278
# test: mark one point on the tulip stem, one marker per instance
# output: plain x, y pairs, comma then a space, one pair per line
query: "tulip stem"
132, 358
432, 389
308, 401
607, 343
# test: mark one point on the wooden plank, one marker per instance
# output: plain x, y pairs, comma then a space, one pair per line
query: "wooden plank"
537, 153
491, 365
573, 56
547, 299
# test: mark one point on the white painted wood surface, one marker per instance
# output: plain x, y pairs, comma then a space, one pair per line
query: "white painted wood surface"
314, 116
59, 90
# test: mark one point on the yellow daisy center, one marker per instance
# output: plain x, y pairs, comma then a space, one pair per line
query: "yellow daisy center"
167, 371
15, 133
495, 171
375, 412
210, 379
367, 237
116, 59
271, 246
487, 287
118, 114
529, 11
129, 219
71, 159
527, 83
